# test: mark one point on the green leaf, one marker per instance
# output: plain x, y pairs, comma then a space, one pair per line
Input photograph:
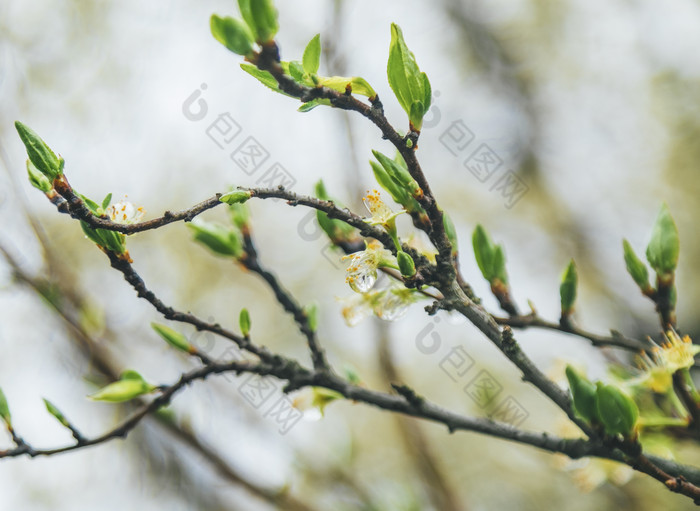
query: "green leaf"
416, 113
664, 247
450, 231
310, 105
173, 337
107, 200
618, 412
311, 312
109, 240
263, 77
232, 33
490, 258
483, 252
355, 84
130, 385
406, 264
410, 85
261, 17
296, 70
635, 267
499, 264
236, 197
567, 288
217, 238
244, 322
125, 389
37, 179
399, 174
397, 192
56, 413
322, 397
130, 374
583, 394
40, 154
240, 215
312, 55
93, 206
320, 190
427, 93
5, 410
337, 230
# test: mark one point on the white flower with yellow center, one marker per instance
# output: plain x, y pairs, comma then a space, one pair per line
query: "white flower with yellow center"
356, 308
124, 212
394, 303
388, 304
362, 272
659, 366
655, 376
381, 213
678, 353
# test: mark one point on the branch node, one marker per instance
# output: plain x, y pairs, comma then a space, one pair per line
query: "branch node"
409, 395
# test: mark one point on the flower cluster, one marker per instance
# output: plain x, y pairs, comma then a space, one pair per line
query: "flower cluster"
388, 303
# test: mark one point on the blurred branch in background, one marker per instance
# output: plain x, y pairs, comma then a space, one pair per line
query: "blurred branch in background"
59, 293
64, 300
504, 60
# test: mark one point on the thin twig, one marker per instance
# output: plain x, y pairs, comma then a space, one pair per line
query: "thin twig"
252, 262
617, 340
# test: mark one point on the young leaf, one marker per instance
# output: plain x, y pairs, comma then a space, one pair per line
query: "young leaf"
406, 264
355, 84
483, 252
397, 192
244, 322
567, 289
261, 17
37, 179
636, 268
311, 312
240, 215
56, 413
236, 197
263, 77
323, 397
296, 70
399, 174
172, 337
310, 105
450, 231
107, 200
91, 204
232, 33
617, 411
123, 390
663, 249
5, 410
312, 55
583, 394
337, 230
499, 264
130, 374
410, 85
41, 155
217, 238
109, 240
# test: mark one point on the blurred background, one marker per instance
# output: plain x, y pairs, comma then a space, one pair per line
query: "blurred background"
591, 108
